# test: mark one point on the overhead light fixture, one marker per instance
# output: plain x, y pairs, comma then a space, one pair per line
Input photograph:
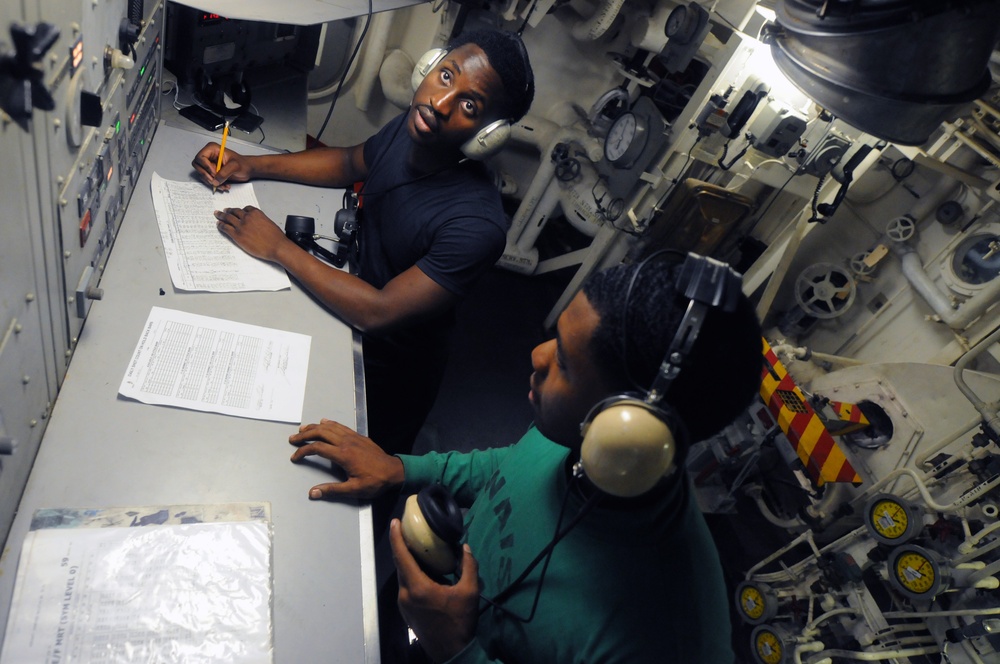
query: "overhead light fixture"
895, 69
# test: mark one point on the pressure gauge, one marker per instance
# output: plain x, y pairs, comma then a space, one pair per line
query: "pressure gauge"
681, 25
768, 644
892, 520
626, 139
756, 602
914, 572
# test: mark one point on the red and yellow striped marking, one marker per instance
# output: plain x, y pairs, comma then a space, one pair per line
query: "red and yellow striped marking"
819, 452
849, 412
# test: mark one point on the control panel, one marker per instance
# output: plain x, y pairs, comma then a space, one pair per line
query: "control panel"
103, 73
79, 106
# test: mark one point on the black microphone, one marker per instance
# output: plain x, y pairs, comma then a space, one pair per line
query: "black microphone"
302, 231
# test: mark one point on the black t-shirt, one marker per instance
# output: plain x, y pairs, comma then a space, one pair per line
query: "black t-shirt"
450, 224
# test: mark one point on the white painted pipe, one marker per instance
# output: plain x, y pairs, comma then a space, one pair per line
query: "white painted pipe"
395, 75
546, 171
314, 95
594, 28
988, 411
371, 61
975, 306
812, 646
534, 130
543, 212
913, 270
877, 656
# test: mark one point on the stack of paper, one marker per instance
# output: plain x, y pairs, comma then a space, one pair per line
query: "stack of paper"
176, 592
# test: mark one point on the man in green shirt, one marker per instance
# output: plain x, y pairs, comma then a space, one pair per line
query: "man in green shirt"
565, 561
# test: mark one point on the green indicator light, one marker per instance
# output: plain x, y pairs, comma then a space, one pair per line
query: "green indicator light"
118, 126
142, 142
142, 71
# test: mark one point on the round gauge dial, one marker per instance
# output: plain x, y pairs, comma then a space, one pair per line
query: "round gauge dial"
768, 646
914, 572
756, 602
680, 24
625, 140
891, 520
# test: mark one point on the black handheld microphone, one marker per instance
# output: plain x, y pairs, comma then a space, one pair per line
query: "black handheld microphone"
302, 231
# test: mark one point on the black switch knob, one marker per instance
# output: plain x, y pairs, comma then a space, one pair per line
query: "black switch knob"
21, 87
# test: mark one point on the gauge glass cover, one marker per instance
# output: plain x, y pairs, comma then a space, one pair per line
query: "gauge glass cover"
768, 647
620, 137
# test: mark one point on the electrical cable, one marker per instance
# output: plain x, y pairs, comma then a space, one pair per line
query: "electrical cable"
774, 197
524, 25
751, 139
545, 553
347, 68
815, 201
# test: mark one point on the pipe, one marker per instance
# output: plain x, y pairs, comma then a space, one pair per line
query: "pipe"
954, 131
545, 173
534, 130
963, 500
956, 319
988, 412
981, 575
968, 426
942, 614
804, 353
829, 614
813, 646
913, 270
314, 95
542, 213
371, 61
807, 536
594, 28
876, 656
789, 572
766, 512
969, 545
395, 75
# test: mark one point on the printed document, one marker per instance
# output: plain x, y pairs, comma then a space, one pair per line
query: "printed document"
200, 257
220, 366
193, 592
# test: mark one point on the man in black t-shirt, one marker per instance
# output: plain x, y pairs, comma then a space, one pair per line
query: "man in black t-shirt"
432, 222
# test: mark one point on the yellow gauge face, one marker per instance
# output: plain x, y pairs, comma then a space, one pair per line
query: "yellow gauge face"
915, 572
768, 647
752, 602
889, 519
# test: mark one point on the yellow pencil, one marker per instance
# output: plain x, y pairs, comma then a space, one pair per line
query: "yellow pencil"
222, 150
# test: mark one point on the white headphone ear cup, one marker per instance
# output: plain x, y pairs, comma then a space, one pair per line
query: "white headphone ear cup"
627, 448
425, 64
488, 141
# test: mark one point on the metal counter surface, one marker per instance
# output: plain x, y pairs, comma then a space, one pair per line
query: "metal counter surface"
102, 450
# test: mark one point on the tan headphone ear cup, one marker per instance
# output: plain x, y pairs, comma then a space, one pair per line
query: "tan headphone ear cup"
627, 448
427, 547
425, 64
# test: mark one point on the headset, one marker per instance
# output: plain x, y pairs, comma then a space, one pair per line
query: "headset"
212, 91
490, 139
631, 440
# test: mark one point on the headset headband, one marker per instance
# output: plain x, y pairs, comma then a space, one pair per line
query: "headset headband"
707, 283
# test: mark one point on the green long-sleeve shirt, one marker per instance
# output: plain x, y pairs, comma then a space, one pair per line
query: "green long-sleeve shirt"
636, 581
